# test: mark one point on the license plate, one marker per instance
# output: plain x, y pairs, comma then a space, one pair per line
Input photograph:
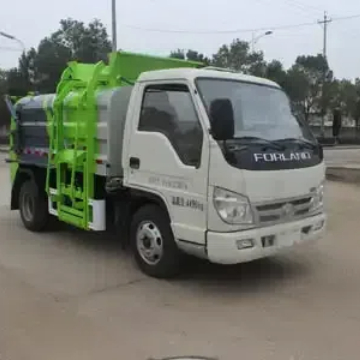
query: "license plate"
289, 237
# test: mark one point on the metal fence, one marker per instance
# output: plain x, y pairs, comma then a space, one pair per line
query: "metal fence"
349, 135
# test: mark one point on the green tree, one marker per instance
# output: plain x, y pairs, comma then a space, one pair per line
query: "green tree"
237, 56
4, 116
15, 82
196, 56
307, 79
86, 43
191, 55
2, 81
51, 60
178, 54
275, 71
347, 97
344, 95
21, 80
356, 105
73, 41
41, 69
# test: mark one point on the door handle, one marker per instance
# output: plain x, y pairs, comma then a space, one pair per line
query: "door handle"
134, 163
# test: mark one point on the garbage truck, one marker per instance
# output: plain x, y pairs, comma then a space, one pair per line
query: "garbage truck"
177, 158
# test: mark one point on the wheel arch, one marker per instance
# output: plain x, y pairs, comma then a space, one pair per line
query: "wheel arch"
168, 264
23, 174
140, 198
130, 202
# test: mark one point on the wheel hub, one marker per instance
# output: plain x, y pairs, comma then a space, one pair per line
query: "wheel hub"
149, 242
28, 207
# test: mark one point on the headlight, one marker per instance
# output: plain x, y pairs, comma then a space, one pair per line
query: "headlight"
317, 201
232, 208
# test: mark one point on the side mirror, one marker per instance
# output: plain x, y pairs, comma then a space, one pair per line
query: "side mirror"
222, 119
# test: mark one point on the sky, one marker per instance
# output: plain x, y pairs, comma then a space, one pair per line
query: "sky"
198, 24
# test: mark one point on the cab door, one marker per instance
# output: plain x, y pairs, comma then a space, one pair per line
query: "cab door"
168, 154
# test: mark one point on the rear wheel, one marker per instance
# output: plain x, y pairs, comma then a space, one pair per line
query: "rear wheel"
33, 206
153, 243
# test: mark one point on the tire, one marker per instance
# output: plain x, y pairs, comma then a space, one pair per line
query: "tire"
33, 207
153, 243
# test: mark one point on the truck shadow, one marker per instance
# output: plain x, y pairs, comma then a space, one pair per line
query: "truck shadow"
257, 275
103, 243
202, 275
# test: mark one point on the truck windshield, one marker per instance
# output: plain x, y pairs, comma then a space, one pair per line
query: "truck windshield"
259, 111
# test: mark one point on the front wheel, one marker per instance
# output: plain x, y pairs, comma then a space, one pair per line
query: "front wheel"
33, 206
153, 243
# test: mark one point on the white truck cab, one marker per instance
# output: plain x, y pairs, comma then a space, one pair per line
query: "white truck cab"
241, 177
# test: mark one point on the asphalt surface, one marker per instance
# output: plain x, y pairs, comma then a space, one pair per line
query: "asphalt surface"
342, 156
69, 295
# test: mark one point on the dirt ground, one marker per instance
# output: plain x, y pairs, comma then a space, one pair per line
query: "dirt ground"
68, 295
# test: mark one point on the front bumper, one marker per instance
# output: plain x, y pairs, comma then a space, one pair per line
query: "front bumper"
225, 248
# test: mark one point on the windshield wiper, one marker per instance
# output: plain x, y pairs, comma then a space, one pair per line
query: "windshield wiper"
305, 143
258, 140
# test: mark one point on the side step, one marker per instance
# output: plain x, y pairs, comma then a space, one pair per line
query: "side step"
75, 216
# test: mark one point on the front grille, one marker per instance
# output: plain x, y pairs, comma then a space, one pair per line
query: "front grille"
281, 211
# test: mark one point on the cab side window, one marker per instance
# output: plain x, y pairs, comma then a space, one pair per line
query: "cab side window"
169, 110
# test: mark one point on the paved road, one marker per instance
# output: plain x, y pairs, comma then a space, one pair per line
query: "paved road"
336, 156
70, 296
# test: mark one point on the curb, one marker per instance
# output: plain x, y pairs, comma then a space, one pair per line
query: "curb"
343, 174
337, 147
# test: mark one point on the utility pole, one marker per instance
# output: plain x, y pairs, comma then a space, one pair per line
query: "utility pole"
325, 21
113, 22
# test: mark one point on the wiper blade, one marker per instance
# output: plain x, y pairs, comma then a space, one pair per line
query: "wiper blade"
236, 147
258, 140
306, 143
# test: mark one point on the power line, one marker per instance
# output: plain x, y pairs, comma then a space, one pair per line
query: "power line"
309, 12
288, 4
209, 32
8, 48
304, 7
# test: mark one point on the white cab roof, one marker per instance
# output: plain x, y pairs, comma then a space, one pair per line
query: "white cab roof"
191, 74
